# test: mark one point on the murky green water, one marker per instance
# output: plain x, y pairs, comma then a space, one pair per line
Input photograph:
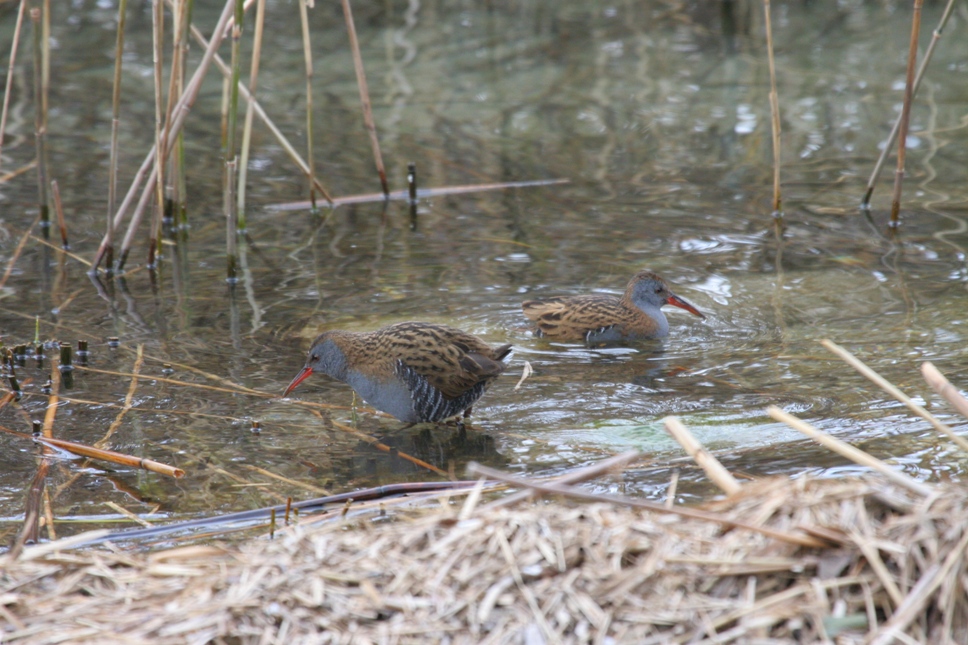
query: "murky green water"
658, 114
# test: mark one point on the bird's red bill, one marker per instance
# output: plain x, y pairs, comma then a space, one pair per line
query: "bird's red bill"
302, 376
676, 301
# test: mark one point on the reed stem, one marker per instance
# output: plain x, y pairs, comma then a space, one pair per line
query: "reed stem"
13, 59
59, 208
905, 114
40, 131
158, 55
247, 128
935, 37
774, 113
115, 125
365, 96
231, 225
308, 58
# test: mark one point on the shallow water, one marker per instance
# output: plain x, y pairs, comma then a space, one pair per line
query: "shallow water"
658, 116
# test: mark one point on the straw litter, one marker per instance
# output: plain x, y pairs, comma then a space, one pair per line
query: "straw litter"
533, 572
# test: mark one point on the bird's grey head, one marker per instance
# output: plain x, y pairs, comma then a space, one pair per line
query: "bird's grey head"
648, 291
325, 356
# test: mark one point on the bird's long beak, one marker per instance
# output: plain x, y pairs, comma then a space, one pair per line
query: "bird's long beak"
675, 301
302, 376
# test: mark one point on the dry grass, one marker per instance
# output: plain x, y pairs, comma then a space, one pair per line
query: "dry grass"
538, 572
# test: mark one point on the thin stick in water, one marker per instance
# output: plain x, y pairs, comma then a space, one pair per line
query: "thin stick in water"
40, 132
905, 114
260, 14
308, 58
59, 208
365, 96
158, 55
13, 59
115, 125
942, 386
774, 113
935, 37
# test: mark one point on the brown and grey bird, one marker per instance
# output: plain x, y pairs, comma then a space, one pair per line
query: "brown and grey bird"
415, 371
594, 318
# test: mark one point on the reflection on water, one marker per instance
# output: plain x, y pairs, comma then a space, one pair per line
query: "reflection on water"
659, 118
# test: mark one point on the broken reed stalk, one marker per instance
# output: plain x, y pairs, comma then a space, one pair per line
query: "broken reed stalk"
942, 386
231, 225
885, 385
181, 111
935, 37
850, 452
259, 112
260, 14
40, 133
308, 59
905, 114
710, 465
475, 468
100, 454
158, 55
115, 125
365, 96
59, 209
774, 113
13, 59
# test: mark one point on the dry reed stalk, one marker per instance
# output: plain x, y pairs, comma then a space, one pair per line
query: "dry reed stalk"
30, 531
280, 137
181, 111
365, 96
247, 128
59, 209
710, 465
885, 385
176, 166
45, 61
115, 126
942, 386
850, 452
774, 113
10, 68
231, 225
158, 56
40, 131
574, 477
308, 60
919, 595
401, 195
128, 514
935, 37
905, 113
475, 468
115, 457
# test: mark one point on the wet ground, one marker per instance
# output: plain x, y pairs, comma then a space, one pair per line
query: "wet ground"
657, 114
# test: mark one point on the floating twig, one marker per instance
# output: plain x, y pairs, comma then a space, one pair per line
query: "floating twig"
400, 195
59, 209
883, 383
856, 455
